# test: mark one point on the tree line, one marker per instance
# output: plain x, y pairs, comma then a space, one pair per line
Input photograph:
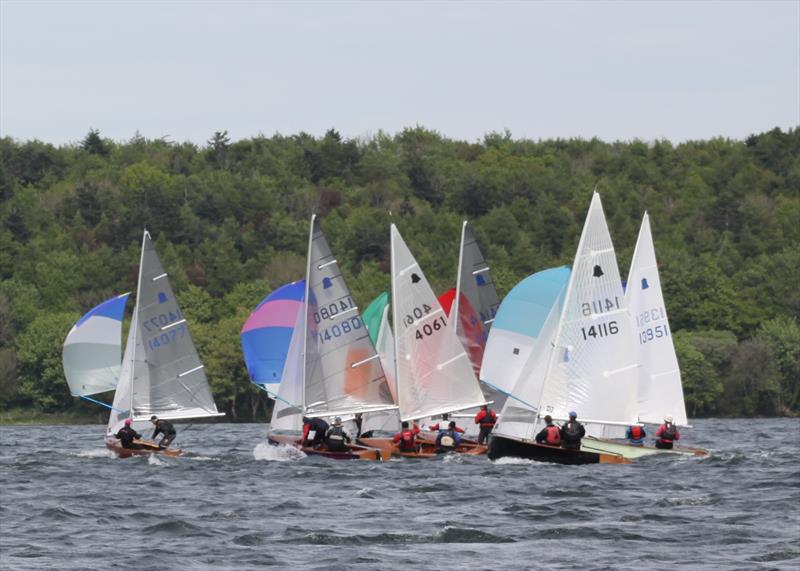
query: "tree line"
230, 222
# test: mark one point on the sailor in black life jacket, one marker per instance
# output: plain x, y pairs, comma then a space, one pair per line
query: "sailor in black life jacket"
127, 435
406, 439
666, 434
635, 435
314, 430
336, 439
448, 438
163, 427
486, 418
550, 434
572, 432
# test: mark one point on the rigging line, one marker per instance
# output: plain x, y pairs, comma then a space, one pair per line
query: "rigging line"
103, 404
501, 391
276, 397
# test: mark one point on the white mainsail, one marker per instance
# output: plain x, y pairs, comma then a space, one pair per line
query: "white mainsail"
93, 349
342, 373
592, 368
660, 389
434, 374
161, 372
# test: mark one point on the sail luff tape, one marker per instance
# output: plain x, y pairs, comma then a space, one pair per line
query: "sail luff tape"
342, 313
326, 264
440, 366
190, 371
173, 324
620, 370
362, 361
476, 272
161, 276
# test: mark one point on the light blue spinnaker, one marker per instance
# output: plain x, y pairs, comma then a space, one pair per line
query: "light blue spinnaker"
92, 354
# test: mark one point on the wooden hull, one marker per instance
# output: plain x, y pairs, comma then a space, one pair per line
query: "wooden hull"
502, 447
146, 449
426, 447
356, 452
602, 445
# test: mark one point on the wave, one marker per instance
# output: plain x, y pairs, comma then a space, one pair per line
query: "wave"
279, 453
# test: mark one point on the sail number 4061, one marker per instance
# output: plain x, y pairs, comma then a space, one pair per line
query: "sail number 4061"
600, 330
430, 328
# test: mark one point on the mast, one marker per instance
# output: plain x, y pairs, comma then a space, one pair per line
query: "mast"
454, 310
393, 259
305, 305
135, 323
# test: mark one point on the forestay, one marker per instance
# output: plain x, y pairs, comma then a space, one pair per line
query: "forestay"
434, 374
267, 333
660, 390
592, 368
343, 373
93, 349
164, 374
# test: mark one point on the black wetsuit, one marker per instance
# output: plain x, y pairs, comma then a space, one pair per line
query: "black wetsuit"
126, 435
320, 427
165, 427
571, 435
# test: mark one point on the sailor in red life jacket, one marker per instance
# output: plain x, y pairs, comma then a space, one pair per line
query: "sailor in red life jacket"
486, 418
666, 434
550, 434
635, 435
444, 424
406, 439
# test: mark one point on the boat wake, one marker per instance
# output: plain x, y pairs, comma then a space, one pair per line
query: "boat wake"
94, 453
154, 460
280, 453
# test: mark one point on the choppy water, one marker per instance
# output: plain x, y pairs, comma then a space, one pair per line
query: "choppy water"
238, 504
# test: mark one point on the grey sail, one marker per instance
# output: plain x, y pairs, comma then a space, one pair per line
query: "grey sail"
343, 372
168, 379
475, 281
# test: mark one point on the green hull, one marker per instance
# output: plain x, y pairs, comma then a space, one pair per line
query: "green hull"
590, 444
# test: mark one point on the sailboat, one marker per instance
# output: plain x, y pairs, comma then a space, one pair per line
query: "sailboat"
660, 392
433, 372
160, 373
589, 364
339, 371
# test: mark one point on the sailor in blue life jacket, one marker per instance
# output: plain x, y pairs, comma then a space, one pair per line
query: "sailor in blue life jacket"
448, 438
571, 433
635, 435
336, 439
314, 430
127, 434
550, 434
666, 434
163, 427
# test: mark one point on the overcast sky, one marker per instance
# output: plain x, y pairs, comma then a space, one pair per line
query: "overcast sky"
614, 70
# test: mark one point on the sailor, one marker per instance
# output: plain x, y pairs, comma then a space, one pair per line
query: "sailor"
127, 434
572, 432
666, 434
486, 418
448, 438
444, 424
358, 419
314, 430
550, 434
635, 435
336, 439
163, 427
406, 439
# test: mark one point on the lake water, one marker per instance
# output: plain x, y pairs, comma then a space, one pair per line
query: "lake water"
236, 503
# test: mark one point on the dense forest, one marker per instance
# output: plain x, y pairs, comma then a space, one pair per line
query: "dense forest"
230, 222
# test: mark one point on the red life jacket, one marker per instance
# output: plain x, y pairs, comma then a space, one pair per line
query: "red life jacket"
553, 435
488, 419
407, 440
636, 432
